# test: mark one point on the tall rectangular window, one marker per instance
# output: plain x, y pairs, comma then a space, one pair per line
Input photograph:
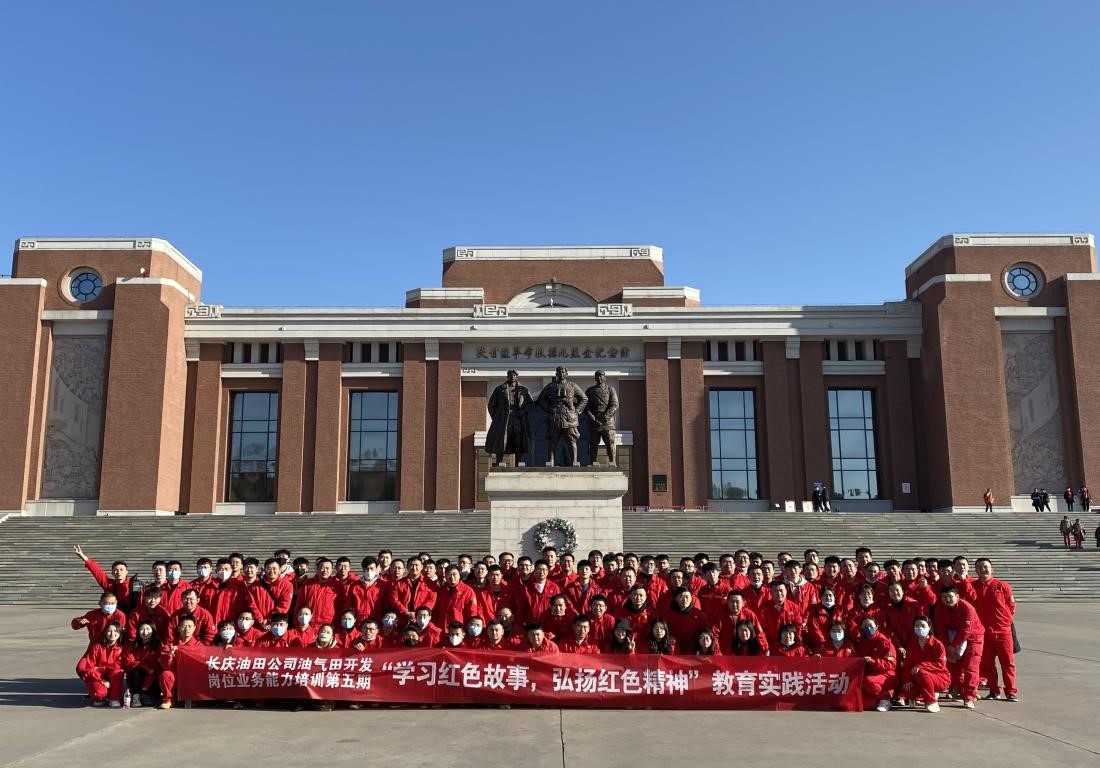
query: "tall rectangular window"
733, 444
253, 446
852, 438
372, 446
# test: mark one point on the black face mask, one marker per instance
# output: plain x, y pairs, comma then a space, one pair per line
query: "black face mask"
410, 643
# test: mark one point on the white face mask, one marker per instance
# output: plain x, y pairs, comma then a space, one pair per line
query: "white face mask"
303, 619
370, 576
455, 640
422, 621
836, 636
828, 602
921, 631
204, 572
225, 575
245, 624
228, 634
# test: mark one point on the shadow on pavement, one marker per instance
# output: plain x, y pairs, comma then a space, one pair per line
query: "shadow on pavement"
42, 692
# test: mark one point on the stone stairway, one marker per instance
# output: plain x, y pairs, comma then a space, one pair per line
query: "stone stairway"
37, 566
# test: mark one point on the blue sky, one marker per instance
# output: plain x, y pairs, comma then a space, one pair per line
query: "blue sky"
325, 153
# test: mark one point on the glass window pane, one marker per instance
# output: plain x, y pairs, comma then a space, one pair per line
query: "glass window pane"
372, 446
852, 444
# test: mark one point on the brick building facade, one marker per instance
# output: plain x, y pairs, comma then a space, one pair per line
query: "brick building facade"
125, 394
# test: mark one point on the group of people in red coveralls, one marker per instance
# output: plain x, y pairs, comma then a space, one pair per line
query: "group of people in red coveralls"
925, 628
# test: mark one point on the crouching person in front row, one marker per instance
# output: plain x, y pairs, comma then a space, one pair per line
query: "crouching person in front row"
101, 667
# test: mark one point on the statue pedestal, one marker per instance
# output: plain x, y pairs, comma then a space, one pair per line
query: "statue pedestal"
588, 497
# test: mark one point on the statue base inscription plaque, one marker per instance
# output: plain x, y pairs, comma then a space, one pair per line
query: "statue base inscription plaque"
590, 498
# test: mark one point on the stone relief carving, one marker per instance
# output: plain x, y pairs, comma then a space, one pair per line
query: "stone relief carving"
70, 466
1034, 411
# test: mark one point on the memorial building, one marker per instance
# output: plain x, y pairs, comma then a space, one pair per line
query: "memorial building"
125, 393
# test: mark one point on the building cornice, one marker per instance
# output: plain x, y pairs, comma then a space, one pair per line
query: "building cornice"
109, 244
940, 279
1002, 239
552, 253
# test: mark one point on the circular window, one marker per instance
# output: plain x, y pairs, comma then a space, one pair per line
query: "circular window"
84, 285
1023, 281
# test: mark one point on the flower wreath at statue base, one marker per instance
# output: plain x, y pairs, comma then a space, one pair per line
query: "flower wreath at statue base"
545, 529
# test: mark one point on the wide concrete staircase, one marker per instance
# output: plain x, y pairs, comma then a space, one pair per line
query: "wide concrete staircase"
37, 566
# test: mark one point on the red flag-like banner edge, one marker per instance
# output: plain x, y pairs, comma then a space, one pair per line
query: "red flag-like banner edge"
445, 676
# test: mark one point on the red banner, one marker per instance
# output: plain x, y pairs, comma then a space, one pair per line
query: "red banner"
438, 676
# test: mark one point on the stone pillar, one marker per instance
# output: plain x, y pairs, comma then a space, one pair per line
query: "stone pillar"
21, 303
146, 398
331, 428
658, 432
292, 432
411, 427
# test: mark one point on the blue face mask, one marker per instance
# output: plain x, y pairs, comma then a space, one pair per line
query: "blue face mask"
474, 630
921, 631
303, 619
174, 574
109, 608
204, 572
227, 634
869, 631
278, 630
388, 621
837, 636
348, 623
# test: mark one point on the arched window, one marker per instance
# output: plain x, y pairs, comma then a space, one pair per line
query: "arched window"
551, 295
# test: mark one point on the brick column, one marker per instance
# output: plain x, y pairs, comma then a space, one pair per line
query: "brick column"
693, 419
1083, 309
207, 430
448, 428
331, 429
292, 433
146, 398
899, 415
815, 418
658, 431
411, 459
969, 447
21, 302
777, 422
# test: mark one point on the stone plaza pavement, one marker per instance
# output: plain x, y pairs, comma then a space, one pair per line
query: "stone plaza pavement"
44, 720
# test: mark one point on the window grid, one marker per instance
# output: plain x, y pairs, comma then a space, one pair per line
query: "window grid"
852, 440
733, 467
253, 442
372, 446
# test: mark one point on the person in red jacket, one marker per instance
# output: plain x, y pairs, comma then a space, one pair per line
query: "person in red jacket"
369, 639
996, 608
456, 601
320, 594
304, 632
246, 628
496, 639
621, 640
918, 587
493, 594
737, 611
533, 598
405, 595
684, 620
757, 594
169, 658
799, 591
789, 645
781, 611
583, 588
101, 667
557, 620
206, 629
880, 665
638, 611
897, 617
278, 587
427, 633
705, 645
346, 631
924, 671
141, 663
947, 578
821, 617
119, 584
228, 596
454, 637
365, 596
712, 595
659, 640
837, 644
174, 585
277, 633
536, 642
97, 620
863, 608
959, 628
601, 620
152, 611
580, 641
